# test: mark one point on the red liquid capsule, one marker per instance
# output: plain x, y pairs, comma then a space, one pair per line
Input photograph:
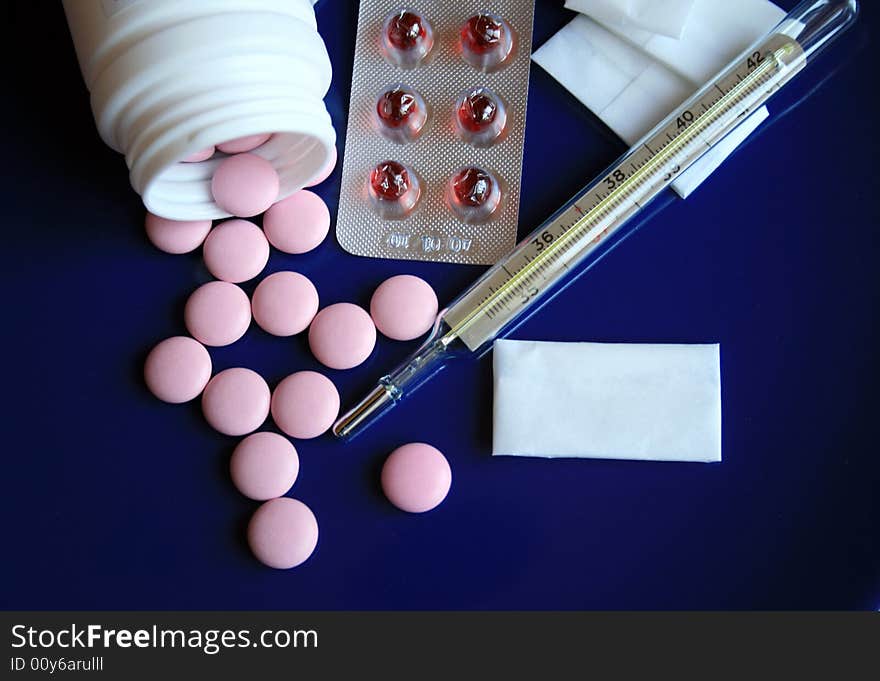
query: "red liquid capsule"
486, 41
480, 116
405, 30
474, 194
394, 189
407, 37
482, 32
390, 180
401, 114
395, 107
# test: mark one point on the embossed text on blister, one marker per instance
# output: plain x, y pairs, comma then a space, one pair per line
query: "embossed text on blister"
430, 243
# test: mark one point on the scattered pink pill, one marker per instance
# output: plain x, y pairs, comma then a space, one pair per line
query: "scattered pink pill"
404, 307
174, 236
264, 466
245, 185
305, 404
177, 369
342, 336
236, 401
217, 313
327, 170
285, 303
416, 477
242, 144
236, 251
199, 156
283, 533
297, 224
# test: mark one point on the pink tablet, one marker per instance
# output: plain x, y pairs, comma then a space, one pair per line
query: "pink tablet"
217, 313
297, 224
243, 144
236, 251
305, 404
404, 307
416, 477
283, 533
245, 185
236, 401
342, 336
177, 369
199, 156
264, 466
285, 303
174, 236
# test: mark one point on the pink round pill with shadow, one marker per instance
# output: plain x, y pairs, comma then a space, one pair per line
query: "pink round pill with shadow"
416, 477
404, 307
342, 336
241, 145
175, 236
327, 170
305, 404
297, 224
217, 313
283, 533
236, 251
199, 156
236, 401
245, 185
264, 466
284, 303
177, 369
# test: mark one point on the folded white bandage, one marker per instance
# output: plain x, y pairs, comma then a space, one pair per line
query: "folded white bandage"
633, 78
607, 401
666, 17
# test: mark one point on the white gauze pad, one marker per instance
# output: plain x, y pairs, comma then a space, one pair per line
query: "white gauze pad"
668, 17
632, 78
607, 401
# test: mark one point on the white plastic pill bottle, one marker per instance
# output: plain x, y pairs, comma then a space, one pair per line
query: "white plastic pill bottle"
171, 77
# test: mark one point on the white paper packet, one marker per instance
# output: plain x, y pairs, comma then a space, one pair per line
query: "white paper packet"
715, 34
632, 79
666, 17
607, 401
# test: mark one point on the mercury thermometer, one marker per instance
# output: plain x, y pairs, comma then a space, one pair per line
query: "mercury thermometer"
572, 239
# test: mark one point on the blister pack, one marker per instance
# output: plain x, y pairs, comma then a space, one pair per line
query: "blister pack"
433, 154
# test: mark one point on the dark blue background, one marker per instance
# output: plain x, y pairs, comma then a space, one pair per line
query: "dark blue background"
111, 499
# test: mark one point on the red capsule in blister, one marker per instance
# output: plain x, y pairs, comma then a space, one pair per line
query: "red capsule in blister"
480, 116
486, 41
394, 189
401, 114
407, 38
473, 194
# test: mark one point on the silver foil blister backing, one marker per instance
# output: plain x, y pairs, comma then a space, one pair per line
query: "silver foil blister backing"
433, 232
